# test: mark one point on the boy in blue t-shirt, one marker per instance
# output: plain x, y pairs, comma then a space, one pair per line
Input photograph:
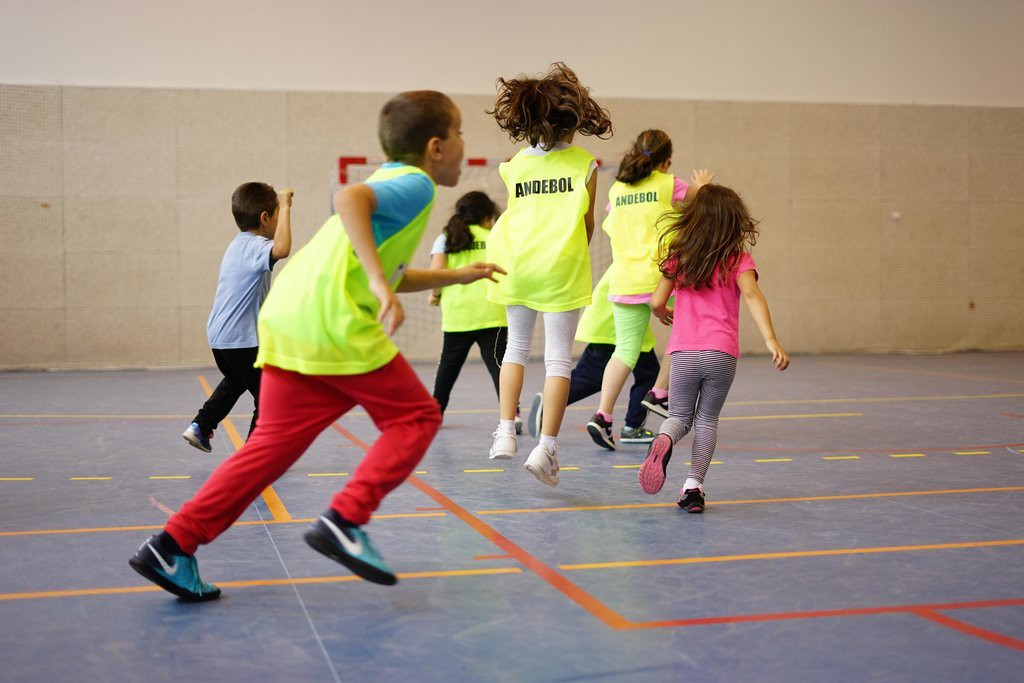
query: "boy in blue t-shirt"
264, 218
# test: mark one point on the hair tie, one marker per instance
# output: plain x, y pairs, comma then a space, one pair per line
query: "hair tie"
646, 154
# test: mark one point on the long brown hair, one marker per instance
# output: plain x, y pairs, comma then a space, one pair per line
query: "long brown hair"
473, 208
709, 233
650, 150
544, 110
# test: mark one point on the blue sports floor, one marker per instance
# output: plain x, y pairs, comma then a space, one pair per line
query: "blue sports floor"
865, 522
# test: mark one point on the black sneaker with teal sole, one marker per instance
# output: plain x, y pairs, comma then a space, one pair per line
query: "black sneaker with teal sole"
636, 435
178, 574
350, 546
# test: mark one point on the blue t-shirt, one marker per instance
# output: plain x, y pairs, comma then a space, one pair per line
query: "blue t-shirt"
399, 200
242, 286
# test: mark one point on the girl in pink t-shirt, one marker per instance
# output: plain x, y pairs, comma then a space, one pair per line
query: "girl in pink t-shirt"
708, 268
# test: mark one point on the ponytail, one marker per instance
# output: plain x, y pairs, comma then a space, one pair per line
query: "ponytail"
471, 209
651, 149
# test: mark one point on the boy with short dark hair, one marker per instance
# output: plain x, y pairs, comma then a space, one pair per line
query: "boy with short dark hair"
324, 349
263, 217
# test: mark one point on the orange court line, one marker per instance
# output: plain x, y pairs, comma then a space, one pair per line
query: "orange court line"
595, 607
120, 590
801, 499
791, 554
503, 556
150, 527
273, 502
970, 629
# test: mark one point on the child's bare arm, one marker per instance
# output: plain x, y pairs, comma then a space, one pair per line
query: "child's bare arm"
659, 301
588, 219
758, 307
437, 262
417, 279
354, 206
283, 237
699, 179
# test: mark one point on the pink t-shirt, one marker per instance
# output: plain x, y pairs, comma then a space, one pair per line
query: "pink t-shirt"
708, 319
679, 188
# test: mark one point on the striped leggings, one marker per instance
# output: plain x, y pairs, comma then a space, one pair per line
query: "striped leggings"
698, 384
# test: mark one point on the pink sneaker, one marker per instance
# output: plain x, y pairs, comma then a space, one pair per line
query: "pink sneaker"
652, 472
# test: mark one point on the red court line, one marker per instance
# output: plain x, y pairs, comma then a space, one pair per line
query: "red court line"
579, 596
614, 620
970, 629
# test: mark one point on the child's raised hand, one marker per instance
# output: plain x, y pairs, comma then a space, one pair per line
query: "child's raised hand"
285, 196
780, 359
701, 177
479, 271
389, 305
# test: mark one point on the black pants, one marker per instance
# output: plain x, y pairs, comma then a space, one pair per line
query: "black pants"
454, 350
589, 373
239, 377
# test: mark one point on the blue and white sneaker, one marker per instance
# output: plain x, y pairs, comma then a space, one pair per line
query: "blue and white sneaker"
350, 546
178, 574
194, 435
536, 415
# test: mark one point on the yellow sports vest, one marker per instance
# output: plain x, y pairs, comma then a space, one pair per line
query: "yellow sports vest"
541, 239
597, 324
320, 317
465, 307
632, 224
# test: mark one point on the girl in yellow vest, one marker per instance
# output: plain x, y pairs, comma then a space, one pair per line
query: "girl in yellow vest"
542, 240
643, 192
467, 317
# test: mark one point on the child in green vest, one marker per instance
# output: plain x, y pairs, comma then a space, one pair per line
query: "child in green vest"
467, 317
324, 349
643, 192
542, 240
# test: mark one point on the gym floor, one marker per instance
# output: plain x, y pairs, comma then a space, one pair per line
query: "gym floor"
865, 522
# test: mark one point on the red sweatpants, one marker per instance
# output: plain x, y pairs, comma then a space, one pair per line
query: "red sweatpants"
293, 410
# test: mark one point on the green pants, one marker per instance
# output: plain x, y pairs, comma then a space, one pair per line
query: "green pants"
631, 322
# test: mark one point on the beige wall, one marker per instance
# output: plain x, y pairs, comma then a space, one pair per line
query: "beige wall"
884, 227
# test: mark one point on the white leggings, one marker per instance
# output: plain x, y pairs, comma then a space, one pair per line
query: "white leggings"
559, 331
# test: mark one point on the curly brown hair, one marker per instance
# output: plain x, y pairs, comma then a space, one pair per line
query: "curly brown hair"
650, 150
544, 110
708, 233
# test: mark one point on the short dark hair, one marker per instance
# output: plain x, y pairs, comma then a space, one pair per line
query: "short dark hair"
249, 202
410, 119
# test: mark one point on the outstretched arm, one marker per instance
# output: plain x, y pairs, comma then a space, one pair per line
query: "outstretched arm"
699, 179
417, 279
758, 307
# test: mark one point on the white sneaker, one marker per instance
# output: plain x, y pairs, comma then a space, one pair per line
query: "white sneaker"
543, 465
504, 446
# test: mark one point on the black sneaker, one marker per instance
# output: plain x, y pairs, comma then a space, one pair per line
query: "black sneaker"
178, 574
658, 406
636, 435
600, 431
349, 545
691, 500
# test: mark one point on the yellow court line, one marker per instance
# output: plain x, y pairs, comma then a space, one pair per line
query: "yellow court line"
89, 478
482, 471
17, 478
792, 554
774, 460
121, 590
971, 452
480, 411
627, 467
420, 472
908, 455
327, 474
756, 501
273, 502
840, 457
177, 476
152, 527
567, 469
